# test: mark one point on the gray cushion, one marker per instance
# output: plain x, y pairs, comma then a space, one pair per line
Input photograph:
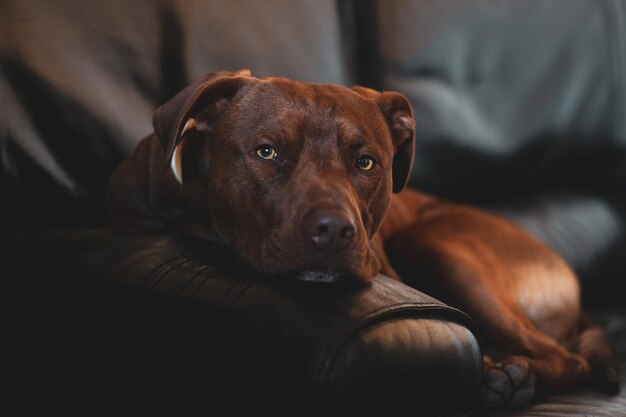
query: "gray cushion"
520, 109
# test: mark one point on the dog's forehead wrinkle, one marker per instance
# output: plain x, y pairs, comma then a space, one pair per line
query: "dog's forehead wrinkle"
329, 110
350, 128
318, 98
320, 151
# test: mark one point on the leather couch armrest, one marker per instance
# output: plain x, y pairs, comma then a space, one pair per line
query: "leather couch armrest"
148, 313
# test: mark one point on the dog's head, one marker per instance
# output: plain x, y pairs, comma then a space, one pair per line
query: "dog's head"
293, 176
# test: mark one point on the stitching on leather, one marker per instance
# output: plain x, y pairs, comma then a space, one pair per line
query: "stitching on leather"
246, 285
225, 301
224, 296
152, 286
148, 278
327, 360
202, 270
204, 281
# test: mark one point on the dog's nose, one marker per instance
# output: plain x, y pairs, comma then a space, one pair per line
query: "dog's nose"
329, 229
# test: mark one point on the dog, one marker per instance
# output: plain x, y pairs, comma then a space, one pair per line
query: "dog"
311, 179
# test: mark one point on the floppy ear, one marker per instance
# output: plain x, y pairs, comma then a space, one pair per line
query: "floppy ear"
399, 116
196, 107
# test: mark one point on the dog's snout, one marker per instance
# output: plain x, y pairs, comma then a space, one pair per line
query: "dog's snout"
329, 229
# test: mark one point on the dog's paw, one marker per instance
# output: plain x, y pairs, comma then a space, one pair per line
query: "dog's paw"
509, 382
606, 377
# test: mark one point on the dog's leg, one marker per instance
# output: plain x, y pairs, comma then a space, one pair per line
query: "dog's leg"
515, 374
521, 295
592, 344
521, 361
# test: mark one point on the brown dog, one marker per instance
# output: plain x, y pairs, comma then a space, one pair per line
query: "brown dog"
298, 178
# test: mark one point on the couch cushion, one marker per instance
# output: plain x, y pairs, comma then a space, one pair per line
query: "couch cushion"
520, 109
79, 82
514, 87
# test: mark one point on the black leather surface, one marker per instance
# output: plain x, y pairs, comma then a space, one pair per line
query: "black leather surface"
150, 312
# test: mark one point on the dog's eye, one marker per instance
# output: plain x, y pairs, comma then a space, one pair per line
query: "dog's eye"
266, 152
365, 162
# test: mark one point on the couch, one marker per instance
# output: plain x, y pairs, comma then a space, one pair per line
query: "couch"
519, 109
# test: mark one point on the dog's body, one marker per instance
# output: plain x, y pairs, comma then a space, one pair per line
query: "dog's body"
299, 177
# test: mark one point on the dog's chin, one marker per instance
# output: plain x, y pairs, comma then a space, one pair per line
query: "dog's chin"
359, 266
308, 274
325, 274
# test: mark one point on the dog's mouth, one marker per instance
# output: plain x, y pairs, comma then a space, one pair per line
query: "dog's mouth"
320, 276
347, 268
334, 268
299, 262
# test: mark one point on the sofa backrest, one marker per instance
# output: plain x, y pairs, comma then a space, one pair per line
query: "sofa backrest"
521, 109
80, 80
518, 88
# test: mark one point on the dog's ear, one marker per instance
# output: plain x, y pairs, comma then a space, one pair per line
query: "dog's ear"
196, 107
399, 116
